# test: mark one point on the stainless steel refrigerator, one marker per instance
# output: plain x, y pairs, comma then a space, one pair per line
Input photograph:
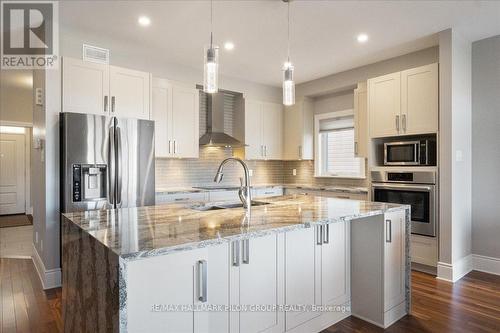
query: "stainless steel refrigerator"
106, 162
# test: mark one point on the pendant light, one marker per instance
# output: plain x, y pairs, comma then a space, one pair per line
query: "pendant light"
211, 63
288, 83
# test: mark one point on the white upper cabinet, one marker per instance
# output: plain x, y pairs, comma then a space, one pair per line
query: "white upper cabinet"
176, 114
263, 130
404, 103
298, 143
130, 93
419, 100
85, 87
384, 98
361, 120
107, 90
272, 124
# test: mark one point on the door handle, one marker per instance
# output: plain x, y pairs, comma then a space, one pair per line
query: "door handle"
397, 123
300, 152
356, 148
113, 104
169, 146
246, 251
404, 122
319, 234
262, 150
202, 281
106, 103
111, 165
388, 231
175, 147
265, 150
118, 166
235, 249
326, 234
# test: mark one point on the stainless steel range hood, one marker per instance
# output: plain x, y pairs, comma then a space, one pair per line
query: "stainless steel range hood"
215, 135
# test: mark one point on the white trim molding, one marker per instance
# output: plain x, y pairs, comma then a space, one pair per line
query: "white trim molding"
15, 123
455, 272
50, 278
486, 264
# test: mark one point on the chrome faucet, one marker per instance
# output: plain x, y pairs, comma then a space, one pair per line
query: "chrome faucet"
244, 191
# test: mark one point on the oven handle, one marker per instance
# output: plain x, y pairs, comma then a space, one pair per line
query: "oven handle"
428, 188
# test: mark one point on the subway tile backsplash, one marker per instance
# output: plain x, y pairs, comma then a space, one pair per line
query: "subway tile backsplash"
195, 172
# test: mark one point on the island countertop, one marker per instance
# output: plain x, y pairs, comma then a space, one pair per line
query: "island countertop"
139, 232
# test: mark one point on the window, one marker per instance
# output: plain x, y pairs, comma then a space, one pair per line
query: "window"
335, 146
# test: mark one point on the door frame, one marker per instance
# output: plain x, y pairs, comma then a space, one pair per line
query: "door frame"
27, 160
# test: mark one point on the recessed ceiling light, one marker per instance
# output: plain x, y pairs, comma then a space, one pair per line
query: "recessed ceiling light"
144, 21
229, 46
362, 38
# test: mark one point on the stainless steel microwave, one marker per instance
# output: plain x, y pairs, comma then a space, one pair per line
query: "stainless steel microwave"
416, 152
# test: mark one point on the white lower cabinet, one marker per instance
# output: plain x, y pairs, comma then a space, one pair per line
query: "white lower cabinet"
318, 271
191, 278
257, 280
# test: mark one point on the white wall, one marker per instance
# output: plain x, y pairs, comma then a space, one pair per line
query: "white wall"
335, 102
455, 156
349, 79
16, 96
486, 147
140, 57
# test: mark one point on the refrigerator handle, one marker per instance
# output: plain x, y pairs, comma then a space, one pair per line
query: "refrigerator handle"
111, 166
118, 166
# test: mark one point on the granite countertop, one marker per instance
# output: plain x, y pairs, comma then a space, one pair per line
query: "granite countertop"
139, 232
189, 189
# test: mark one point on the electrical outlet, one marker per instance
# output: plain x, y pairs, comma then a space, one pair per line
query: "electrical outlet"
250, 172
39, 96
294, 172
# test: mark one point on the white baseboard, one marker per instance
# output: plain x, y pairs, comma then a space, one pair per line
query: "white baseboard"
50, 278
486, 264
455, 272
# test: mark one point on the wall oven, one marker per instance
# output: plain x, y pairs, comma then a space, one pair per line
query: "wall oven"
417, 189
416, 152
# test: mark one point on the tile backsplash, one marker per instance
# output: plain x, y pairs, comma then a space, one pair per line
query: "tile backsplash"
193, 172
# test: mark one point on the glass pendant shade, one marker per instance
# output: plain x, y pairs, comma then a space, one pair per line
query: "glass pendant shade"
288, 85
211, 70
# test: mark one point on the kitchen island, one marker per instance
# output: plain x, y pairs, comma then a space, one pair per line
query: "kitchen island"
294, 263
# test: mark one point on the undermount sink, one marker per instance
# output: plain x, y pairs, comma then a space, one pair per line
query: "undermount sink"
229, 205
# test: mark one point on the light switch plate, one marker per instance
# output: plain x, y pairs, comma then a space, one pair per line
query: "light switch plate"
459, 157
38, 96
294, 172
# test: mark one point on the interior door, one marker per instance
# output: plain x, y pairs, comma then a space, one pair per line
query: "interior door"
85, 87
12, 174
185, 121
130, 93
135, 162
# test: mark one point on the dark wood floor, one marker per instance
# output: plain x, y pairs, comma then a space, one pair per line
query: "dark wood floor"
470, 305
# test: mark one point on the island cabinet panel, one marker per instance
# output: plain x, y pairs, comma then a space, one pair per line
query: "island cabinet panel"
379, 258
187, 279
302, 274
336, 264
257, 280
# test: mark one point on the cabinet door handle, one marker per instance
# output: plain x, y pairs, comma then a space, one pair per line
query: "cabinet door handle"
326, 234
356, 148
319, 234
300, 152
246, 251
113, 104
235, 248
262, 150
106, 103
175, 146
397, 123
169, 146
404, 122
202, 281
265, 150
388, 231
181, 199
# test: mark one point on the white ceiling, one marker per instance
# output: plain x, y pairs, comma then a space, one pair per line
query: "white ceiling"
323, 32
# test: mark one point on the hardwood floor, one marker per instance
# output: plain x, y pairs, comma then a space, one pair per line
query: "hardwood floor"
470, 305
24, 305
